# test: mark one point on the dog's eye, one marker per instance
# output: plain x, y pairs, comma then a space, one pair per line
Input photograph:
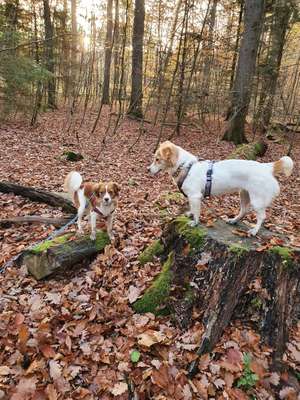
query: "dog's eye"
156, 159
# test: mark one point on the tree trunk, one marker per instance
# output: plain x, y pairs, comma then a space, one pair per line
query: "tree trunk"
73, 46
212, 269
136, 98
108, 51
60, 254
39, 195
116, 50
242, 88
33, 219
49, 54
281, 17
236, 46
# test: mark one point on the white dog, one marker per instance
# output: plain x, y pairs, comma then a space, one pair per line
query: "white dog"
255, 181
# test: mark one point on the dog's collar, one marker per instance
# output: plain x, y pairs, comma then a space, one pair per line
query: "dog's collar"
181, 173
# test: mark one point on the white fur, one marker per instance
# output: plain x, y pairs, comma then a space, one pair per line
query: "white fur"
254, 181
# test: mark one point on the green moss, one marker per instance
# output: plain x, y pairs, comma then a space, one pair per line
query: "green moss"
72, 156
50, 243
256, 303
238, 249
155, 297
195, 236
154, 249
285, 253
175, 197
101, 241
249, 151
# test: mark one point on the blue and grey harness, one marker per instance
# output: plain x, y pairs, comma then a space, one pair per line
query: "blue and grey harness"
185, 171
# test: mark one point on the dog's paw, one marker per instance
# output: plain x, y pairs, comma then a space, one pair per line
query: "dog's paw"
93, 236
252, 232
192, 224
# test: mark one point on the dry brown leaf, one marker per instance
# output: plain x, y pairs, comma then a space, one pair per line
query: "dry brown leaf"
47, 351
51, 392
54, 369
150, 337
119, 388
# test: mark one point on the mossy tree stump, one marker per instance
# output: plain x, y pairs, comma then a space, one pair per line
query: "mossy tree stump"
249, 151
214, 269
62, 253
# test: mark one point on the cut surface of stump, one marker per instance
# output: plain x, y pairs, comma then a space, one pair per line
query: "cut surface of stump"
62, 253
213, 269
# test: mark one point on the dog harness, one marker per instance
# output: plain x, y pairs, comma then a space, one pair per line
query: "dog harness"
209, 173
185, 171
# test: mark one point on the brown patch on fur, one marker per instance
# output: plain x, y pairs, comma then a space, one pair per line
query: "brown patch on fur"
277, 167
169, 153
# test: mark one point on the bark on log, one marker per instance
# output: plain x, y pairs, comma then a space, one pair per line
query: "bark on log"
34, 219
249, 151
39, 195
212, 269
62, 253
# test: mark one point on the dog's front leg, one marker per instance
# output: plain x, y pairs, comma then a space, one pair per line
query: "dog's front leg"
110, 220
93, 220
195, 206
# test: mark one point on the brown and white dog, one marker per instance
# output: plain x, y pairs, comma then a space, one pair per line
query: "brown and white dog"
255, 181
93, 198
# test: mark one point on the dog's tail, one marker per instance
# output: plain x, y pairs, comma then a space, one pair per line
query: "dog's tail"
72, 182
284, 165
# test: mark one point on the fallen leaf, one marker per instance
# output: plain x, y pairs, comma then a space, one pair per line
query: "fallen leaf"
133, 293
55, 369
119, 388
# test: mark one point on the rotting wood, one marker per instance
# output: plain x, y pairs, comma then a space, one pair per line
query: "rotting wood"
39, 195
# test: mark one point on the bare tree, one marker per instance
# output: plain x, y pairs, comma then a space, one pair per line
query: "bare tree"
49, 54
242, 88
108, 51
136, 98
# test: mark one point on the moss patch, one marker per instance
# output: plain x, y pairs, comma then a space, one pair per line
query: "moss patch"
72, 156
249, 151
101, 241
50, 243
155, 297
238, 249
154, 249
195, 236
285, 253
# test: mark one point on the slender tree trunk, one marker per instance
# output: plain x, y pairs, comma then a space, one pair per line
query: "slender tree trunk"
74, 45
242, 88
237, 42
49, 54
281, 18
136, 98
108, 51
116, 49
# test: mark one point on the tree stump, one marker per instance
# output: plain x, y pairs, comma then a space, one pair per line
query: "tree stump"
249, 151
62, 253
222, 272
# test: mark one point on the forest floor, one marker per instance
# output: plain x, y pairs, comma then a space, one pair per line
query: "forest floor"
71, 337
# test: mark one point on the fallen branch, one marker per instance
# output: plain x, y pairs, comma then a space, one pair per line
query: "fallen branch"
39, 195
34, 219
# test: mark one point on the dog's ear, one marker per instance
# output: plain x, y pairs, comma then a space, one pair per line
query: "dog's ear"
116, 188
166, 152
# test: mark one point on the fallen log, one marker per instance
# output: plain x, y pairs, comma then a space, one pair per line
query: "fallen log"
212, 269
62, 253
249, 151
39, 195
34, 219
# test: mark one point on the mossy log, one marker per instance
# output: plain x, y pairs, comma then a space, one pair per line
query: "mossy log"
39, 195
61, 253
249, 151
212, 269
